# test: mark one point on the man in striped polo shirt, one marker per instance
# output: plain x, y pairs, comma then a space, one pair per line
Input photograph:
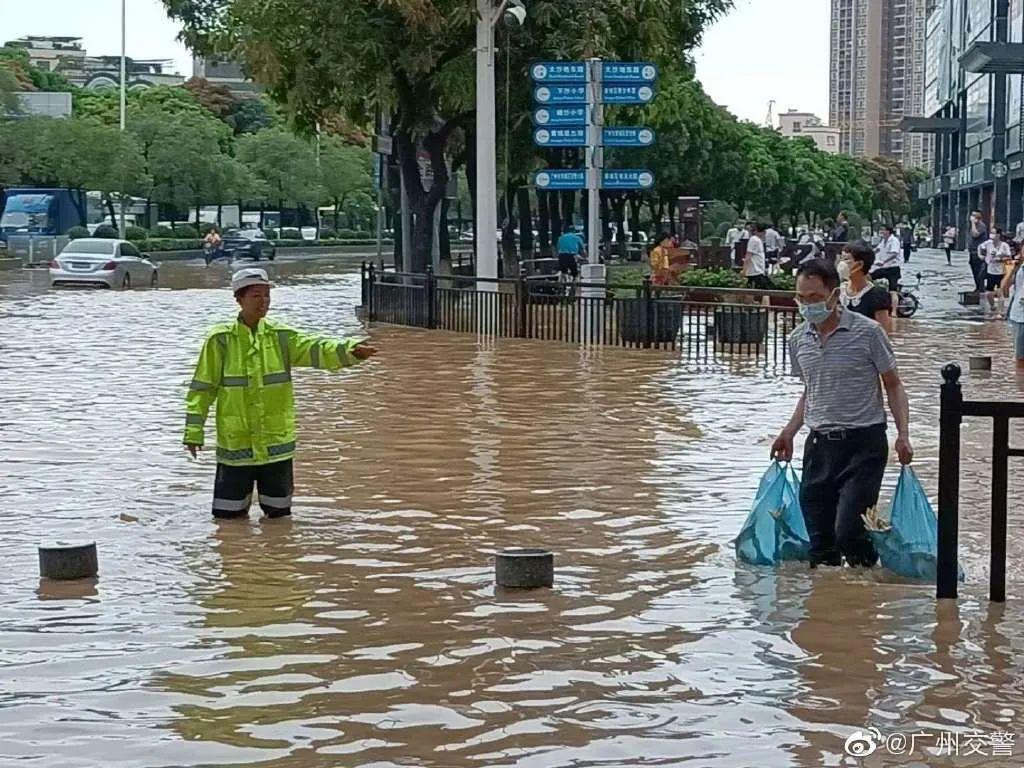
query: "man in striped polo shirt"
844, 360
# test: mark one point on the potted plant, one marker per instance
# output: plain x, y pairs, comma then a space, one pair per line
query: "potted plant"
697, 279
783, 282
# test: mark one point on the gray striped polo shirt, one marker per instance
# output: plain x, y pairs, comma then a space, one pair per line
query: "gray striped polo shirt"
841, 374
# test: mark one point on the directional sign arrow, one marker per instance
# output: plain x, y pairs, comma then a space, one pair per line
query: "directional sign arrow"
560, 137
627, 137
574, 178
560, 116
628, 178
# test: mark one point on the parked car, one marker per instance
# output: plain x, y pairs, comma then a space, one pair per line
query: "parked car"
247, 244
102, 262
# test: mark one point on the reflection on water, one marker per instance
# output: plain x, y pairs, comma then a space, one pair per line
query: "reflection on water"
367, 631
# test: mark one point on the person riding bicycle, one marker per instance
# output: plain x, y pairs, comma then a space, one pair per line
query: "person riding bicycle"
212, 245
570, 248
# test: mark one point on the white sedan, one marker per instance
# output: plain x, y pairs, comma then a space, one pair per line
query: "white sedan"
104, 263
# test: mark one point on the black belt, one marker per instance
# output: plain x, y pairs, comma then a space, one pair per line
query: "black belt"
842, 433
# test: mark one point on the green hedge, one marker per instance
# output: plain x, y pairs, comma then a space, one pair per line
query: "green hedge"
105, 231
156, 245
161, 231
76, 233
185, 230
134, 233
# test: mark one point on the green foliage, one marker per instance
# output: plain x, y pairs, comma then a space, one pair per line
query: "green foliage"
161, 231
28, 76
252, 115
185, 231
135, 234
76, 233
289, 233
105, 231
171, 244
783, 282
10, 104
711, 278
283, 164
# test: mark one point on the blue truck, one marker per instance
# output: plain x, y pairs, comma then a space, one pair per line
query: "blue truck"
41, 211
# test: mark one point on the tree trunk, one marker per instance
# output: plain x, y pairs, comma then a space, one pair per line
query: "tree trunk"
422, 202
568, 211
110, 208
525, 221
671, 217
543, 224
619, 207
337, 213
261, 215
555, 212
606, 220
634, 209
445, 239
220, 214
198, 223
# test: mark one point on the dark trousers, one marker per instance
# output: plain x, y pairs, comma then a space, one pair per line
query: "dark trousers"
232, 489
977, 269
761, 282
841, 479
907, 250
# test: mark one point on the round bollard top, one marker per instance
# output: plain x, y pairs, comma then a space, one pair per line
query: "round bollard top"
526, 568
525, 552
65, 544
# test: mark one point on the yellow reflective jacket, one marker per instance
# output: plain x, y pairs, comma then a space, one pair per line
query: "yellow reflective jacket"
249, 375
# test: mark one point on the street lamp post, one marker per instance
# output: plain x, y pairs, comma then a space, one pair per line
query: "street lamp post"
121, 230
486, 135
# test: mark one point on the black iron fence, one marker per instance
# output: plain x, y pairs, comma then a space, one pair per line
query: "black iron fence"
952, 409
702, 323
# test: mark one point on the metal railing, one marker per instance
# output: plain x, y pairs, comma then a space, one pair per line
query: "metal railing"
701, 323
952, 409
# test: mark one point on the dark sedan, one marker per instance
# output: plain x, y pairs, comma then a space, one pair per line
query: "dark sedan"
247, 244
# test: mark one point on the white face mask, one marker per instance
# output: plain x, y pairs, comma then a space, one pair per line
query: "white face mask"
844, 270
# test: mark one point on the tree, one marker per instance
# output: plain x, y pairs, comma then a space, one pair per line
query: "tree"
105, 105
182, 155
215, 99
251, 115
284, 163
29, 76
10, 104
346, 172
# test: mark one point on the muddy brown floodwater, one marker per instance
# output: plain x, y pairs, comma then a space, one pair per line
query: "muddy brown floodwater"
366, 631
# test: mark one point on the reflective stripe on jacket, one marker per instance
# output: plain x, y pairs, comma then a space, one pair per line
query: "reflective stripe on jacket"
249, 376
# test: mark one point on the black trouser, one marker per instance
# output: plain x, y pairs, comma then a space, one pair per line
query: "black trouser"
232, 490
761, 282
842, 477
892, 274
949, 254
907, 250
977, 266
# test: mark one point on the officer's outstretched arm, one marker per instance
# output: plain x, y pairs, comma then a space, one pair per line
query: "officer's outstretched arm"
312, 351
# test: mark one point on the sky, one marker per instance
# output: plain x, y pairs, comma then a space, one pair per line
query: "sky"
762, 50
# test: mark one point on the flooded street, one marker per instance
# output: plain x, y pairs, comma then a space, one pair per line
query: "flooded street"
367, 631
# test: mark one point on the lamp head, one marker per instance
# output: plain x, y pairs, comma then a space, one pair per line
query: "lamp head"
515, 14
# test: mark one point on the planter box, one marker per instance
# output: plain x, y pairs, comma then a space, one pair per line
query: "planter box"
632, 321
780, 301
741, 326
703, 295
970, 298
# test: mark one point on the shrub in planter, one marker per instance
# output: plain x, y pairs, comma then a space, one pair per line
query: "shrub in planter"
185, 230
290, 233
362, 235
104, 230
205, 227
135, 233
348, 234
632, 320
741, 325
161, 231
76, 233
329, 234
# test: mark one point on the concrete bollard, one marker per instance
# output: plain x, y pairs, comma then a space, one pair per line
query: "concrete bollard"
63, 561
981, 363
524, 568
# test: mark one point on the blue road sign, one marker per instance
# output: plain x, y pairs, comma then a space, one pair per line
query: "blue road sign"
560, 116
629, 178
560, 72
626, 94
560, 94
560, 137
628, 72
573, 178
627, 137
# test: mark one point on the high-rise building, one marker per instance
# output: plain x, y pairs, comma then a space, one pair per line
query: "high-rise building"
877, 76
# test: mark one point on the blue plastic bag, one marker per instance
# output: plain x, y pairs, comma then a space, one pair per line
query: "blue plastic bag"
909, 545
775, 530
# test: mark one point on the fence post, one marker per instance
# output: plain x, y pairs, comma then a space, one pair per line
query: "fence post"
371, 310
648, 313
950, 416
362, 284
430, 293
522, 298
